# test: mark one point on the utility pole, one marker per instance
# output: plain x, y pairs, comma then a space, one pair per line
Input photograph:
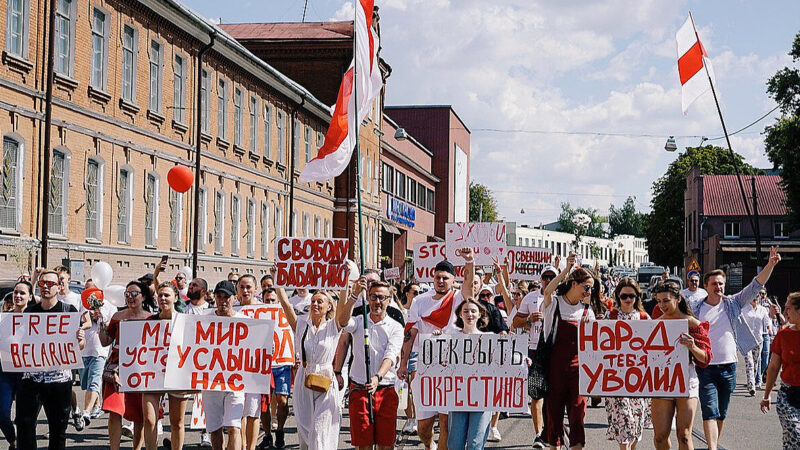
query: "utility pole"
48, 122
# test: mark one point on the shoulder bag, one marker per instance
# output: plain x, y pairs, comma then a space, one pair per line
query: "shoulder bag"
314, 381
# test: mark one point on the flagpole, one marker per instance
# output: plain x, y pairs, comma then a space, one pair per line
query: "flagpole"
733, 156
361, 220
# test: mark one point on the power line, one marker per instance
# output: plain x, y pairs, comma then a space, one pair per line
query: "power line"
560, 193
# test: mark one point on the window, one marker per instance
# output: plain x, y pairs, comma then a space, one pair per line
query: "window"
431, 201
293, 227
376, 182
295, 143
219, 221
281, 124
65, 36
317, 227
124, 205
361, 171
367, 172
327, 228
267, 132
17, 28
175, 218
250, 219
222, 109
204, 86
264, 230
11, 185
732, 230
781, 230
387, 177
236, 217
309, 137
412, 191
237, 117
306, 225
179, 90
421, 199
94, 199
320, 141
59, 183
201, 220
278, 221
253, 125
151, 211
156, 59
129, 44
400, 185
99, 49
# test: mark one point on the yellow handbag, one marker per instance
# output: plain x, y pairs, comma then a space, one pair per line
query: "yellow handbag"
314, 381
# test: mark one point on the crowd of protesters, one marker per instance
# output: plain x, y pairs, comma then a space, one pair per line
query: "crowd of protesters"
332, 371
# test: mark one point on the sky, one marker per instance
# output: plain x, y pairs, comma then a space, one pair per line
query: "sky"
569, 100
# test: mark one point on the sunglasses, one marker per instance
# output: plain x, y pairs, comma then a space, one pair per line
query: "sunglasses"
414, 292
548, 277
180, 278
132, 294
588, 288
628, 296
517, 294
487, 295
380, 298
48, 284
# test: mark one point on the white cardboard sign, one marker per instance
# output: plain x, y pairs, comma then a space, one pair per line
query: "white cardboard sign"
426, 256
527, 263
283, 339
486, 239
143, 349
392, 273
311, 263
39, 342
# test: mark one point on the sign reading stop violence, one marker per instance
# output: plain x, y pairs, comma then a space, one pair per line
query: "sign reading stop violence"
633, 358
311, 263
526, 263
283, 338
426, 256
472, 372
39, 342
143, 349
486, 239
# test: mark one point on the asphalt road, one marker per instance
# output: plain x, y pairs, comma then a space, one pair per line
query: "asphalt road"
745, 428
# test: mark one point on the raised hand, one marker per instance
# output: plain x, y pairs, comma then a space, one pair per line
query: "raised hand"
466, 253
774, 256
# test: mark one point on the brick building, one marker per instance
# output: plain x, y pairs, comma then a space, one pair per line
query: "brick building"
719, 235
124, 114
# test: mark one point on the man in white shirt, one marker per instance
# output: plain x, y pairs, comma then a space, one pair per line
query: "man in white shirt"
385, 343
196, 293
70, 298
758, 320
693, 291
430, 312
300, 301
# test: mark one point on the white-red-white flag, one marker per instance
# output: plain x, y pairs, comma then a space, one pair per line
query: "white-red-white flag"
692, 58
363, 79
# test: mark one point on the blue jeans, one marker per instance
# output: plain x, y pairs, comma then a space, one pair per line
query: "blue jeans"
765, 351
717, 382
468, 430
8, 387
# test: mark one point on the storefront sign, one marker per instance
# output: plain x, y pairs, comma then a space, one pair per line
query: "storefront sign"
400, 212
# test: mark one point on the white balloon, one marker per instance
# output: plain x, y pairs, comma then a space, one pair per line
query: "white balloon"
102, 274
355, 274
115, 294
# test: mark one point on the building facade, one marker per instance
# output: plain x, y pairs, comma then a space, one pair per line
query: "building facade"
124, 114
719, 235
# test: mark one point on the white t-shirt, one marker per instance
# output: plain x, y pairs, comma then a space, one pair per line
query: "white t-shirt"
570, 313
71, 299
757, 319
690, 296
532, 303
720, 332
196, 309
300, 304
422, 306
92, 335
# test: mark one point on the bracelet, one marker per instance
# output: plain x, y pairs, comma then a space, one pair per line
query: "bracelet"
337, 373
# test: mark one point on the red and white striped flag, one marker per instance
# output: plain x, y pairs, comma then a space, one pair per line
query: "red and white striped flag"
364, 75
692, 57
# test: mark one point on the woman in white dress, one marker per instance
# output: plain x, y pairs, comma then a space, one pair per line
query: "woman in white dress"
318, 413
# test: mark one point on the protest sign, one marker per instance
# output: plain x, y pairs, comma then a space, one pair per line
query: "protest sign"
312, 263
527, 263
283, 338
633, 358
426, 256
472, 372
392, 273
198, 413
39, 342
209, 352
486, 239
143, 349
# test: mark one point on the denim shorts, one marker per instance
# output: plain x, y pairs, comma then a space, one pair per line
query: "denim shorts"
412, 361
283, 380
92, 373
717, 382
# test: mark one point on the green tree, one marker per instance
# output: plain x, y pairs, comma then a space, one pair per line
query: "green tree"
626, 220
482, 204
664, 226
567, 225
782, 142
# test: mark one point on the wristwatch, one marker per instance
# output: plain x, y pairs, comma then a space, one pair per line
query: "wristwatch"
380, 378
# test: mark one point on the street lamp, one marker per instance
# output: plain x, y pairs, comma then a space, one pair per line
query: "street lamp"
671, 146
400, 134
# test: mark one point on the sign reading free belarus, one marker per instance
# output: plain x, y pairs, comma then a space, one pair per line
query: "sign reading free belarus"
472, 372
633, 358
311, 263
486, 239
39, 342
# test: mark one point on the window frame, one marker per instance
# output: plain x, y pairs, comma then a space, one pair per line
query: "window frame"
101, 84
155, 209
267, 145
67, 155
250, 225
265, 223
784, 226
126, 239
202, 228
72, 15
159, 79
205, 99
222, 108
253, 105
23, 31
19, 177
278, 221
734, 226
175, 219
280, 123
236, 222
134, 51
219, 221
238, 126
309, 137
295, 151
179, 83
99, 194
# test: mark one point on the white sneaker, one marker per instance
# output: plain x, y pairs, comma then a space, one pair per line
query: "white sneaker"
494, 435
127, 430
410, 427
160, 427
205, 440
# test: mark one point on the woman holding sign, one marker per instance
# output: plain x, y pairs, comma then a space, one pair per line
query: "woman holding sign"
317, 408
118, 404
167, 294
668, 297
9, 381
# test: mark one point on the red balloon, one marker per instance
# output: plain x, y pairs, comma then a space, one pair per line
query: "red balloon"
180, 178
93, 292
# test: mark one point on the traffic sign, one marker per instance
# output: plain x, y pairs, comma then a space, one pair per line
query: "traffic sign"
693, 269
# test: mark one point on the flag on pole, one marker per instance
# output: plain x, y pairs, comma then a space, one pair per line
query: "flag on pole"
363, 75
692, 58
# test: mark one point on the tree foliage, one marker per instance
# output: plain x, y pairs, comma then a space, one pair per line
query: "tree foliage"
567, 225
665, 225
626, 220
782, 142
480, 195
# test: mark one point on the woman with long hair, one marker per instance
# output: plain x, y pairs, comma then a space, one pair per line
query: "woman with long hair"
20, 296
627, 416
674, 307
564, 308
118, 404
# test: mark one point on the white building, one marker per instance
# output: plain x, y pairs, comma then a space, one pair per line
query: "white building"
623, 250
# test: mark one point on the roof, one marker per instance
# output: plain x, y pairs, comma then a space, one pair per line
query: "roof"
290, 30
722, 195
450, 107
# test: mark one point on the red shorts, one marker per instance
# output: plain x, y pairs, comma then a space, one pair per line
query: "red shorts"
384, 402
126, 404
